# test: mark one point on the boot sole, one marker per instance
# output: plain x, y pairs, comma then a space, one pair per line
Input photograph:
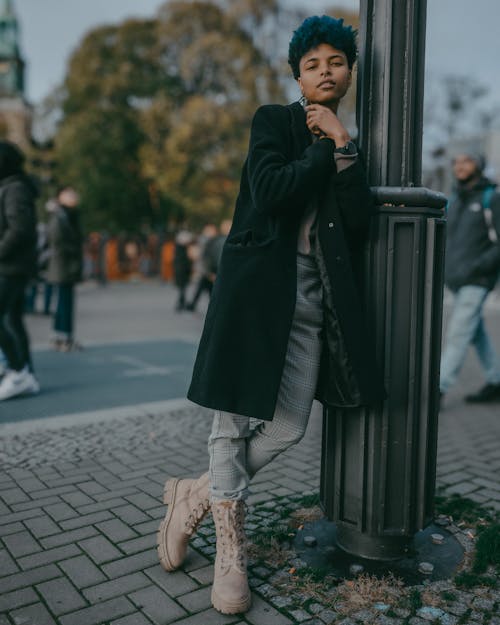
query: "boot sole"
169, 493
224, 607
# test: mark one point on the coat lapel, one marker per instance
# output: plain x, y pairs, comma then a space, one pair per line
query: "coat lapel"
301, 135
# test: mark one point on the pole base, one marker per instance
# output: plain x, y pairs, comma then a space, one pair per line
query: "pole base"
425, 559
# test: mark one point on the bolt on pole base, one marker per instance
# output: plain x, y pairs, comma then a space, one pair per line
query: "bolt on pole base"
433, 554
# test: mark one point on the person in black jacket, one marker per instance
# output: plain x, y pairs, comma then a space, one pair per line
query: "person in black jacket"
17, 265
471, 270
285, 322
183, 267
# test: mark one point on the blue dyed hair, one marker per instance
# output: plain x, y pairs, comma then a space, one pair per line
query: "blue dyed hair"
316, 30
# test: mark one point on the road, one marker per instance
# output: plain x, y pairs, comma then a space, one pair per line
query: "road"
139, 350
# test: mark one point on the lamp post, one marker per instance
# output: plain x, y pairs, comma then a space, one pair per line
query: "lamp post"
378, 464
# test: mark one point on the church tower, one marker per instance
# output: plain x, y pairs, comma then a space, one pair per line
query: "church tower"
15, 113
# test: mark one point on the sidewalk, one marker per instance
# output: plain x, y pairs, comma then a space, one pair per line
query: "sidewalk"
80, 503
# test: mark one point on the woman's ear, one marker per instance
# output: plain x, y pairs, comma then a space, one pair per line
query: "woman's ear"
299, 82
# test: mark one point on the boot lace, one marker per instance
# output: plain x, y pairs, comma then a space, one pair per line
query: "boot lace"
231, 534
196, 516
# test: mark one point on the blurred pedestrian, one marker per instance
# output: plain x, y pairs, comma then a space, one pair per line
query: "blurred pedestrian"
471, 271
285, 323
183, 266
65, 265
206, 278
17, 265
217, 247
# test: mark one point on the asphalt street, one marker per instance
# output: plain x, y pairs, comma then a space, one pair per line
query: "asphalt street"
137, 349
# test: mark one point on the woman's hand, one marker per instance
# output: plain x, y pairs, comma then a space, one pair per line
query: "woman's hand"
322, 121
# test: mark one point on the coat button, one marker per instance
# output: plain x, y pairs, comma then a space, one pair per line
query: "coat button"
331, 224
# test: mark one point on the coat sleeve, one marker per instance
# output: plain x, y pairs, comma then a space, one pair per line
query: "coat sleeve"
277, 184
354, 197
19, 214
489, 261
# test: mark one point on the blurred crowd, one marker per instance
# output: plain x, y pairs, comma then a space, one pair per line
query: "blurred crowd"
41, 262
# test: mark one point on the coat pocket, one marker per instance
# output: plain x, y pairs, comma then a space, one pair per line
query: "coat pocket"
249, 239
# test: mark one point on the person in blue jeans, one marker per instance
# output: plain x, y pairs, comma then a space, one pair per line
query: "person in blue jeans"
471, 271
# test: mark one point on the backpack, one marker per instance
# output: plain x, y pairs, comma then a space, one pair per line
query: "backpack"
488, 214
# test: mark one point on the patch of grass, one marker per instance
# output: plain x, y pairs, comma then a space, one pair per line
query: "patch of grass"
365, 590
414, 600
462, 509
487, 549
312, 574
448, 595
467, 579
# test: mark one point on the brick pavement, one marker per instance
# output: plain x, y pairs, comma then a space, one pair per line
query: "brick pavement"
80, 504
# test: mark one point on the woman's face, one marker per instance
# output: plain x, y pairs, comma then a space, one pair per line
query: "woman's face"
325, 76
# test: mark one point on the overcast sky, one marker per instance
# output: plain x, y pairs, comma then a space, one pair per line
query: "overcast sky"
457, 40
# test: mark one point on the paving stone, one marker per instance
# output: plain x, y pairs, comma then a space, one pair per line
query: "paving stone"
61, 596
262, 613
11, 528
87, 519
130, 564
205, 575
20, 516
60, 511
197, 600
36, 614
92, 488
211, 617
116, 587
42, 526
102, 505
65, 538
147, 528
157, 605
116, 491
100, 549
36, 503
143, 501
82, 571
175, 583
129, 514
116, 530
28, 578
133, 619
13, 495
7, 564
46, 557
17, 598
139, 544
100, 613
76, 499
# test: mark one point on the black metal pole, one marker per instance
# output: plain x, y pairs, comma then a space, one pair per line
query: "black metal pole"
378, 464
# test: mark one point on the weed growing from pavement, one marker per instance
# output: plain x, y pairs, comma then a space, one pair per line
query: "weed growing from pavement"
271, 546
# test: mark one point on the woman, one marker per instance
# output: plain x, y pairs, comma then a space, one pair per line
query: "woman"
285, 323
65, 264
17, 265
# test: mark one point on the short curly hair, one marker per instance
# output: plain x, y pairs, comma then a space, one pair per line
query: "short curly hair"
316, 30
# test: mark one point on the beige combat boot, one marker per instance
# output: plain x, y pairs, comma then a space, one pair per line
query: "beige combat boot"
230, 590
188, 503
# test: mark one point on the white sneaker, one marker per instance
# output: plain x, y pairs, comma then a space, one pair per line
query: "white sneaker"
15, 383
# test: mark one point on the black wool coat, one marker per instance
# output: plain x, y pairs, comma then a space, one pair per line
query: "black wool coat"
242, 350
17, 227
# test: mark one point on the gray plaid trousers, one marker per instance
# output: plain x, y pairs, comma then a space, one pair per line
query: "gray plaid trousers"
237, 451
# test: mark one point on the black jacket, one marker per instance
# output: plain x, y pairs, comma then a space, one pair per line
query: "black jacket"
65, 239
471, 258
18, 235
243, 346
